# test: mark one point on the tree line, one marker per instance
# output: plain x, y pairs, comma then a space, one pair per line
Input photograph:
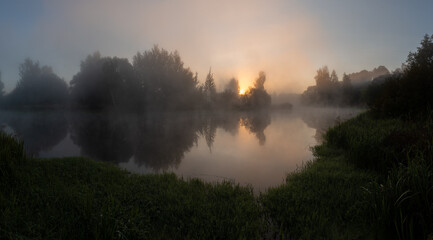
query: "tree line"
407, 92
350, 91
156, 80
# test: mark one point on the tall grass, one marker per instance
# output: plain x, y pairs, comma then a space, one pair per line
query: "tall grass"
402, 206
365, 141
324, 200
12, 157
400, 202
77, 198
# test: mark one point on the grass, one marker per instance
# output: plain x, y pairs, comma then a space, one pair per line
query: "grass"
370, 179
324, 200
77, 198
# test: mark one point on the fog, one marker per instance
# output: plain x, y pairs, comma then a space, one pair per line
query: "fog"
288, 40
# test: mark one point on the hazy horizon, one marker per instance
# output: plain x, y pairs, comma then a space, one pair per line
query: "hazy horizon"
289, 40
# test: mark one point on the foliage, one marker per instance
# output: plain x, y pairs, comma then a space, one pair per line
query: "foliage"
366, 141
400, 201
402, 206
209, 90
409, 92
104, 82
168, 84
348, 92
37, 87
229, 98
256, 97
323, 200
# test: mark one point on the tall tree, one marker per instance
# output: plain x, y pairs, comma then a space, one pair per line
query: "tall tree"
210, 89
168, 83
104, 82
37, 86
334, 77
232, 86
323, 79
257, 97
260, 81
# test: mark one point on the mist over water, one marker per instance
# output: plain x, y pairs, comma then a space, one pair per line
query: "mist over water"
256, 148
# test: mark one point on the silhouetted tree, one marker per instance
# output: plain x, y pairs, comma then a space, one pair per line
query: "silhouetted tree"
330, 91
104, 82
229, 98
348, 93
37, 87
323, 79
334, 77
256, 97
259, 84
168, 84
408, 92
209, 90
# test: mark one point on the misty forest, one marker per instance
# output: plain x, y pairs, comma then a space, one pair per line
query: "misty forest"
250, 133
157, 80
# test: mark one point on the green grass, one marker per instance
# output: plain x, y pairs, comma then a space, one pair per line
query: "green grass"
77, 198
324, 200
371, 178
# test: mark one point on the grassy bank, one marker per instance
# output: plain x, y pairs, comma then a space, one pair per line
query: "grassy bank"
322, 201
77, 198
371, 178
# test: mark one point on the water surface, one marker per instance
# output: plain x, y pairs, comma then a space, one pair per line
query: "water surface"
250, 148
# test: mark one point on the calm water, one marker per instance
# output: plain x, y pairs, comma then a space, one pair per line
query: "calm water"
256, 148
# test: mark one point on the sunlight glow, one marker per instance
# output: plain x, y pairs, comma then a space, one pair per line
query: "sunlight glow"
242, 91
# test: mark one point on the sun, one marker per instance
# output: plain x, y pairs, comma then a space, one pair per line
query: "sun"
242, 91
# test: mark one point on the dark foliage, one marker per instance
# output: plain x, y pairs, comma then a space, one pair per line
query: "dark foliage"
256, 97
409, 92
348, 92
105, 82
38, 87
167, 83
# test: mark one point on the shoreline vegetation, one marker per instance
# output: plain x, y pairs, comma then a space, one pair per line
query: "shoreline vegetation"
337, 195
371, 178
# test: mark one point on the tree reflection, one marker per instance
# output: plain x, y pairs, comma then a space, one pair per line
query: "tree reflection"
323, 119
256, 122
157, 141
102, 136
163, 139
40, 131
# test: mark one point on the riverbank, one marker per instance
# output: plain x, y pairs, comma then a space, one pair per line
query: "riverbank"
371, 178
78, 198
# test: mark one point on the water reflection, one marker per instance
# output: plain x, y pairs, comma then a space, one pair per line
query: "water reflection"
102, 136
256, 123
322, 119
232, 145
40, 131
162, 140
156, 141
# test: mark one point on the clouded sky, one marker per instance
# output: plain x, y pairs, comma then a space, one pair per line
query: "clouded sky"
288, 40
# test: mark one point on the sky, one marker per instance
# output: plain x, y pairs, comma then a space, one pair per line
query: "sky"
289, 40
